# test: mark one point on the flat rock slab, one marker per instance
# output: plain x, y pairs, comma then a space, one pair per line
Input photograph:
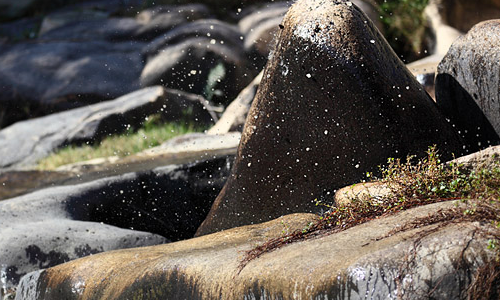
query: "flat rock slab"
353, 264
42, 136
55, 225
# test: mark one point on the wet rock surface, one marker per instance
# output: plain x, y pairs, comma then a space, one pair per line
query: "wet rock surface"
467, 85
360, 262
55, 225
333, 104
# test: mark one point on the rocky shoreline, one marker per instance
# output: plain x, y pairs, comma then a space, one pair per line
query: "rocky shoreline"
333, 102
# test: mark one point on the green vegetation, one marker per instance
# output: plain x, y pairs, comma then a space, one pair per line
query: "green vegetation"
405, 26
415, 183
152, 134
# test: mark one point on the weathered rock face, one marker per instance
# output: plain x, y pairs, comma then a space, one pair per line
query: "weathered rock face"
334, 103
205, 57
361, 262
55, 225
89, 124
40, 78
467, 85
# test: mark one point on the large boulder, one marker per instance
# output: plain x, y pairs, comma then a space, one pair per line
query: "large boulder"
334, 103
363, 262
55, 225
44, 77
467, 85
42, 136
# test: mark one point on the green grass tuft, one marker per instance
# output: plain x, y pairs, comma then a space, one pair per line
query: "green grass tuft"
150, 135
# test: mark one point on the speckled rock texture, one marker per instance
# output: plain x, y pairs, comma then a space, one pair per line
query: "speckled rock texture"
363, 262
334, 103
468, 85
55, 225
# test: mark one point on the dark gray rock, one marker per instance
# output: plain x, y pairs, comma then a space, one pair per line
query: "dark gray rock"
40, 78
55, 225
334, 103
467, 85
204, 66
111, 29
41, 136
161, 19
78, 25
221, 32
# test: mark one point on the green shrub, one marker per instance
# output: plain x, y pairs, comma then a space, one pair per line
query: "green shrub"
405, 26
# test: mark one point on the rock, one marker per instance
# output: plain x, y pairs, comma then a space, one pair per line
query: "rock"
44, 135
196, 142
361, 262
334, 103
161, 19
221, 32
259, 29
467, 85
110, 29
15, 183
44, 77
180, 151
55, 225
425, 71
443, 34
235, 114
464, 14
365, 191
58, 20
201, 66
261, 25
25, 28
489, 157
91, 25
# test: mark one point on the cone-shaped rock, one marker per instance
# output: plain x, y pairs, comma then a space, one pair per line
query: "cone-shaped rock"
334, 103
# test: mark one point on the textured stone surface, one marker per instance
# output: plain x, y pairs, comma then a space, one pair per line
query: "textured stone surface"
55, 225
468, 85
44, 77
42, 136
361, 262
334, 103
